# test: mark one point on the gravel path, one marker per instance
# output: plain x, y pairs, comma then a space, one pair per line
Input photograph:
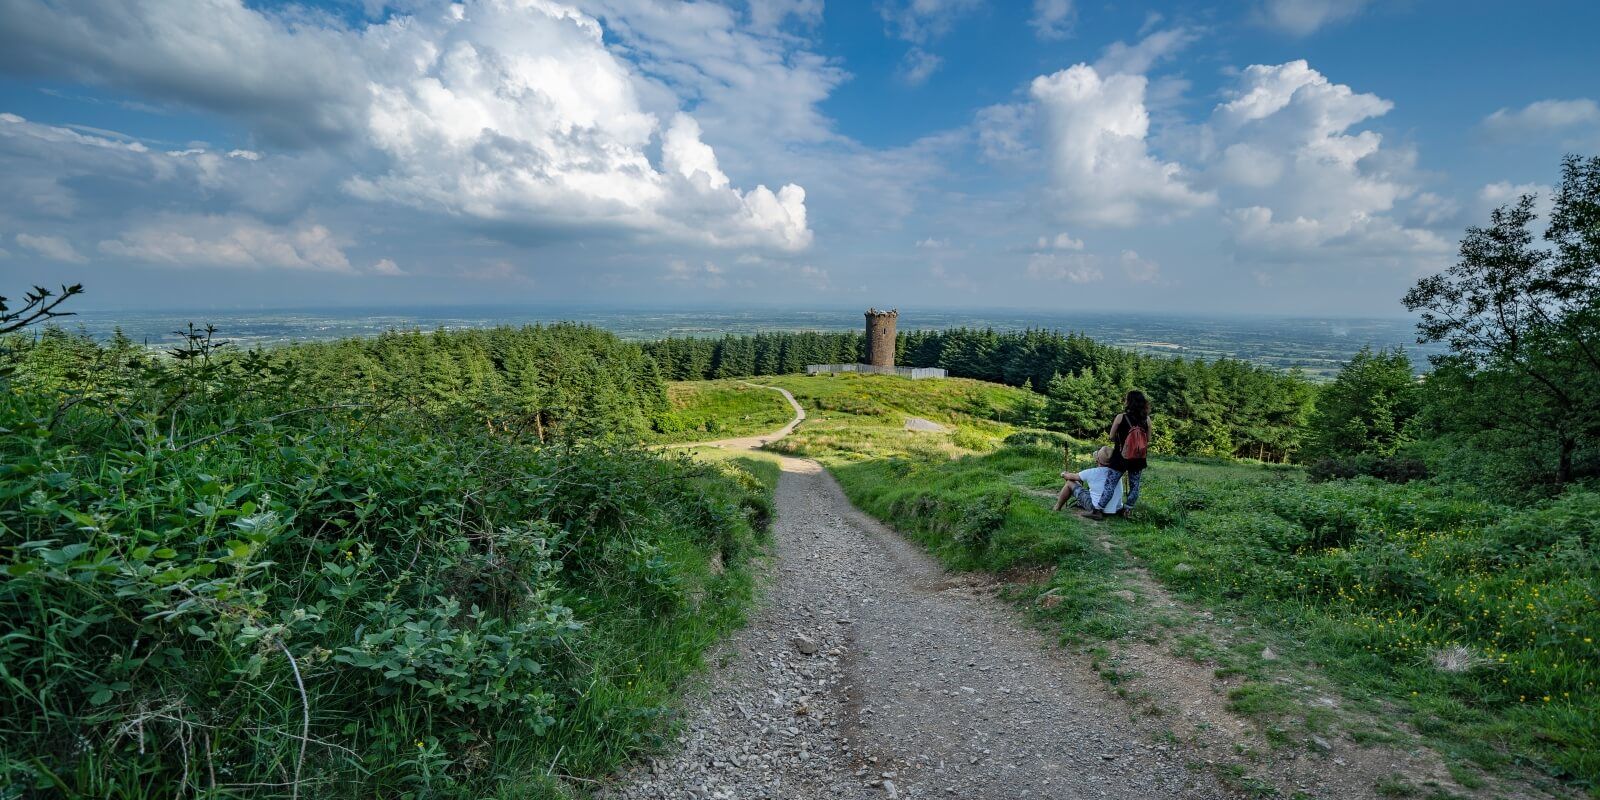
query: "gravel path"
869, 672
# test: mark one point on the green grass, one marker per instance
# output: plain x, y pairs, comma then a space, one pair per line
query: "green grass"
1385, 586
763, 467
857, 417
706, 410
1373, 585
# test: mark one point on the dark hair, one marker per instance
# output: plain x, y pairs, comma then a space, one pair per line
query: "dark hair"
1136, 407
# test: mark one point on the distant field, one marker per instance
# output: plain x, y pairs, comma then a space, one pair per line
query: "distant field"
1315, 345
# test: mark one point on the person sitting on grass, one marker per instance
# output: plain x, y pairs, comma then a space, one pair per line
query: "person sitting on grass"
1083, 487
1130, 443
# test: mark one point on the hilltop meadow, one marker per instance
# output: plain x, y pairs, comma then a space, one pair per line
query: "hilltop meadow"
1432, 609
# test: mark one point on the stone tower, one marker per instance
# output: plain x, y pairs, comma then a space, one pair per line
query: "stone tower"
880, 337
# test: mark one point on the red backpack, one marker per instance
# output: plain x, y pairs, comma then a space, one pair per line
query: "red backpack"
1137, 443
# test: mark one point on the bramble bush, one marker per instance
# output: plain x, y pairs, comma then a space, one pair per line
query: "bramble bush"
224, 581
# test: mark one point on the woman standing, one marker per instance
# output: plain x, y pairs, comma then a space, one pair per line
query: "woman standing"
1130, 442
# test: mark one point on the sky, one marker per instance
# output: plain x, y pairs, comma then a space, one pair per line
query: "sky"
1300, 157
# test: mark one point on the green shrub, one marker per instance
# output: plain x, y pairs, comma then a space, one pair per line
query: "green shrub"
1391, 468
982, 516
1038, 438
209, 589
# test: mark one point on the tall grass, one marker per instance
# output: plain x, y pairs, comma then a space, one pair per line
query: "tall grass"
1479, 621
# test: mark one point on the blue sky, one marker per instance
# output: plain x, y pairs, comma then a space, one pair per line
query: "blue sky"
1279, 156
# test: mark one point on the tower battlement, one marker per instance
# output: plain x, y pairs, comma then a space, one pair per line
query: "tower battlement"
881, 336
881, 341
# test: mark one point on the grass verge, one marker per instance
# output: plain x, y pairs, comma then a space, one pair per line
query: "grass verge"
1474, 623
728, 409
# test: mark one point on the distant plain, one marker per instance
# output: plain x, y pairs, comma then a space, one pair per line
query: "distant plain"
1317, 345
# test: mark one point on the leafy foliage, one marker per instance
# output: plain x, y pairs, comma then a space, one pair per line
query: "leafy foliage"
1395, 469
1523, 327
732, 356
1475, 617
1367, 408
37, 305
548, 381
321, 572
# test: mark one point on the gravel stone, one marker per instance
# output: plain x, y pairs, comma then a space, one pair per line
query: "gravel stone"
916, 674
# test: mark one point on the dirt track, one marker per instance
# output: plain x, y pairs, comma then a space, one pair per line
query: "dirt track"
867, 671
918, 686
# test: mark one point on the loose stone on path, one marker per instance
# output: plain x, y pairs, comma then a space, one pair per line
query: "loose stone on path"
866, 673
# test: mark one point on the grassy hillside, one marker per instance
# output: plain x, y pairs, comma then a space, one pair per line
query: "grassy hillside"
728, 409
1432, 611
1474, 623
221, 576
851, 416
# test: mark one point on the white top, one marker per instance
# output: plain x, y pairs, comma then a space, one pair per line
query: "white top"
1094, 480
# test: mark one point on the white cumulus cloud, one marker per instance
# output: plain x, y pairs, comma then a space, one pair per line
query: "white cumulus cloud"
295, 82
521, 114
1500, 193
1061, 241
1139, 57
924, 20
1302, 182
769, 15
1095, 129
1139, 269
1069, 267
705, 275
918, 66
1006, 132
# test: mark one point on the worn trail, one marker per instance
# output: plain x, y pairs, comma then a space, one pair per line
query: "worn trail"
869, 672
